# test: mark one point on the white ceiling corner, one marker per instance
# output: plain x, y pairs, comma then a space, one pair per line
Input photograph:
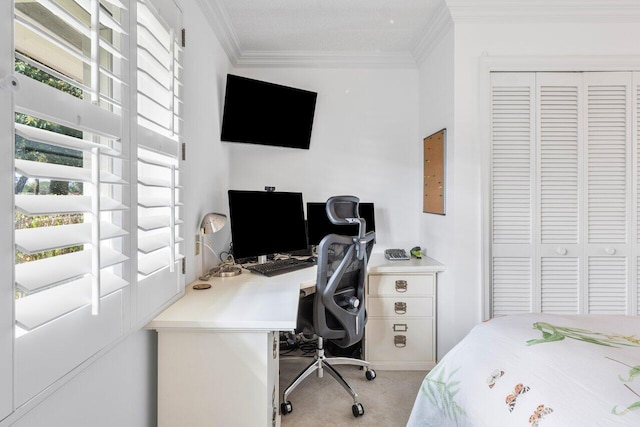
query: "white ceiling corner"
354, 33
432, 33
222, 27
374, 33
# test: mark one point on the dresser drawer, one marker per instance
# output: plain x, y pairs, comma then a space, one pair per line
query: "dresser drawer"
399, 340
400, 306
407, 285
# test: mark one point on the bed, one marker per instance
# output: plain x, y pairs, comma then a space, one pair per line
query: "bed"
537, 370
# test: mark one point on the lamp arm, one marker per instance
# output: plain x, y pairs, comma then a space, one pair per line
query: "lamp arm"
215, 254
206, 273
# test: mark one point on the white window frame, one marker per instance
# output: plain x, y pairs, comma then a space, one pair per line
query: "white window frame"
6, 213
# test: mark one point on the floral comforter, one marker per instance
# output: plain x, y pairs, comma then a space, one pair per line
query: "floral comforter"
537, 370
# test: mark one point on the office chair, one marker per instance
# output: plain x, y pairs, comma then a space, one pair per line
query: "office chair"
338, 309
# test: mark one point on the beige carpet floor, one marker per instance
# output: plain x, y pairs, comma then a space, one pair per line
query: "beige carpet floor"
322, 402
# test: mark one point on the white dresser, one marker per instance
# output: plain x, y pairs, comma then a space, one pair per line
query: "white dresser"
401, 308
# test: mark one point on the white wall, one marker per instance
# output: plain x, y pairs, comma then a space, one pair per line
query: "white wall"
119, 389
461, 247
205, 172
364, 142
436, 73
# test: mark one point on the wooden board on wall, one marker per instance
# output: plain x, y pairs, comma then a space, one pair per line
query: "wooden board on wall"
434, 173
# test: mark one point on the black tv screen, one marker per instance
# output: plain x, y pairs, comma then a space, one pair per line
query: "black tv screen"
258, 112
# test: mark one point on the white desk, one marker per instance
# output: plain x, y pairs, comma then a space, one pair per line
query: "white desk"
218, 350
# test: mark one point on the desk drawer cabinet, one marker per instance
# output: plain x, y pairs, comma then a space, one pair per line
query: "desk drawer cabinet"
401, 326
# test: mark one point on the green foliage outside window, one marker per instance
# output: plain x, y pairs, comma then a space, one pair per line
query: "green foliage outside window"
39, 152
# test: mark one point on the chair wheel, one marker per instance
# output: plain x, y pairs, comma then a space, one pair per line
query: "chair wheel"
357, 410
370, 374
286, 408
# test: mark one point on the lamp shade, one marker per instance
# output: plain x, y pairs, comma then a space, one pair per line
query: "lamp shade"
212, 222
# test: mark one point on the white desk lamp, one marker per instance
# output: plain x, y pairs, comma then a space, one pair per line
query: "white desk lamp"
212, 223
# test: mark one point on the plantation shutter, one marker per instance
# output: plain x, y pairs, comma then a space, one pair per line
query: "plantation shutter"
512, 192
71, 186
159, 106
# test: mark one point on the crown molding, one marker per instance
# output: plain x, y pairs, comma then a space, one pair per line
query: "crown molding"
433, 33
544, 10
328, 59
220, 23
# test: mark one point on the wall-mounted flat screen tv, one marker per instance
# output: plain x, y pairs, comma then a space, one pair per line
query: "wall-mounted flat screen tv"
258, 112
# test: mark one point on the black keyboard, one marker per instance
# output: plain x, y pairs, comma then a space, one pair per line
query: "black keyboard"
280, 266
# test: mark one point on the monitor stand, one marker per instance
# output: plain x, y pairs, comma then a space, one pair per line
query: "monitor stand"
262, 259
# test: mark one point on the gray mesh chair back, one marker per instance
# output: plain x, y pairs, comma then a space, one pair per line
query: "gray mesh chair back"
339, 309
338, 303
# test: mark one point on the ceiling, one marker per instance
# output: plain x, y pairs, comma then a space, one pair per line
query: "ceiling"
381, 30
375, 32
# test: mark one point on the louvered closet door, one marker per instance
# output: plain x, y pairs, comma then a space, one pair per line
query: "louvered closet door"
579, 189
558, 171
608, 191
512, 192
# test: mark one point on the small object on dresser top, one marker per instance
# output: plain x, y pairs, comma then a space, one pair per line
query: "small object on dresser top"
396, 254
416, 251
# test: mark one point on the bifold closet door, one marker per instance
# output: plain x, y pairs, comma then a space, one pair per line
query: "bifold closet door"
558, 179
564, 184
609, 193
513, 192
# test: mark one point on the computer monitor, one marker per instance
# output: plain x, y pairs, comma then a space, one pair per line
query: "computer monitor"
264, 223
318, 224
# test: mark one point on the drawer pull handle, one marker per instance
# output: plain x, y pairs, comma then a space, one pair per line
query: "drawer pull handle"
400, 307
276, 345
400, 341
400, 327
401, 286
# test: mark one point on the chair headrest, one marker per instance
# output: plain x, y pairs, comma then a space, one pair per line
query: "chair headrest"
342, 210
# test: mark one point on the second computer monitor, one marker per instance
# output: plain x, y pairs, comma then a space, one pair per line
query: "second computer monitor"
318, 224
264, 223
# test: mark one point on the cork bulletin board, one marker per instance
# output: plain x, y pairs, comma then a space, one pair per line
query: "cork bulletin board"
434, 173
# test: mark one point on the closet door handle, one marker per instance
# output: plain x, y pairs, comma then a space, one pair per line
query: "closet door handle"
610, 251
561, 251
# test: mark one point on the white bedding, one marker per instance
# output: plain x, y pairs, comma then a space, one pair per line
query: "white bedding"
537, 370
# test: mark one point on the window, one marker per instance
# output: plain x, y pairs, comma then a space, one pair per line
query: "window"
96, 183
70, 184
159, 111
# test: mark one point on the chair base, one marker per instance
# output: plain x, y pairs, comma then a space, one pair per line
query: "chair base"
320, 364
